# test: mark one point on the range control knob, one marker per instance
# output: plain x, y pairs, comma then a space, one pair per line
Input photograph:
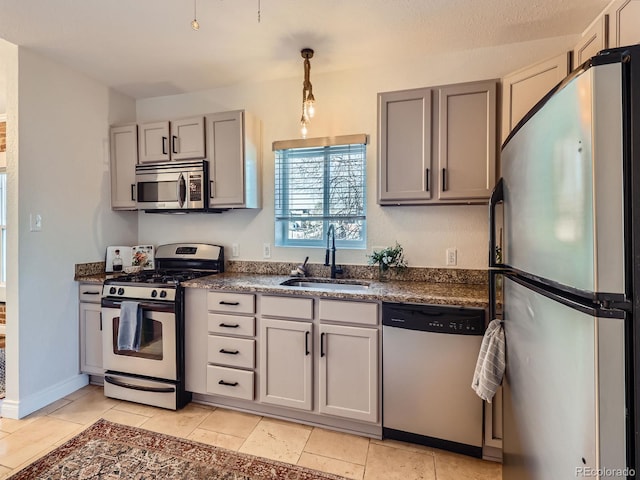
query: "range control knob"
121, 291
112, 290
154, 293
163, 293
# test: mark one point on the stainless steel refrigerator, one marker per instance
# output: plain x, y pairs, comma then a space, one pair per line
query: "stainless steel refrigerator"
567, 283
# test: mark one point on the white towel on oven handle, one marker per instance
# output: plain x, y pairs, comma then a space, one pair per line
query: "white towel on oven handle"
130, 326
491, 362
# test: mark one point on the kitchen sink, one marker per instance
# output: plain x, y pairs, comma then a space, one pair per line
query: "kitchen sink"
326, 284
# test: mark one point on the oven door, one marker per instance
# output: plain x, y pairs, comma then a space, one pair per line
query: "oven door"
156, 356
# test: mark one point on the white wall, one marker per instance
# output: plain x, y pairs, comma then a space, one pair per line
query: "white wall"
58, 131
346, 104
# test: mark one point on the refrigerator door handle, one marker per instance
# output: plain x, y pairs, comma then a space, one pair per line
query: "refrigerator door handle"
496, 196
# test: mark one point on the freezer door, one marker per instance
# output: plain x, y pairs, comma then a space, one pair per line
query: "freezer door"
563, 187
564, 400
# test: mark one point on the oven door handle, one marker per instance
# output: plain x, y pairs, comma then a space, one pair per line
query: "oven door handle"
130, 386
168, 307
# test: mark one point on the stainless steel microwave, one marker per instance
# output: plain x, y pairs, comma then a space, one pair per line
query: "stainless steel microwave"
173, 186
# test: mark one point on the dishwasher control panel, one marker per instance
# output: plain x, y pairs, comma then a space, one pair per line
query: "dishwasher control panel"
434, 318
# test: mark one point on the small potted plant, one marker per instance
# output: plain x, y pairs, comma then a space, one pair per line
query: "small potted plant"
388, 258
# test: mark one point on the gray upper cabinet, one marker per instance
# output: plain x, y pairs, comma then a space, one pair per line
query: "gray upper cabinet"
404, 155
123, 145
467, 141
594, 39
522, 89
176, 140
234, 148
437, 145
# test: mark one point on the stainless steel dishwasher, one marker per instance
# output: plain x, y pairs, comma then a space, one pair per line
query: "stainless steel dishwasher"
429, 356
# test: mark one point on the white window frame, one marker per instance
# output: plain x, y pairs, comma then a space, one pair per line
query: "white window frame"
284, 218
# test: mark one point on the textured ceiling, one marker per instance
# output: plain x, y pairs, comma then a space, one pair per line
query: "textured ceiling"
146, 48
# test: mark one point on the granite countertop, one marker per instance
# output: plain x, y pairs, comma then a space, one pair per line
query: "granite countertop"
469, 295
434, 286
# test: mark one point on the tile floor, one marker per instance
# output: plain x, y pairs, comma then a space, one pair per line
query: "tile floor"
23, 441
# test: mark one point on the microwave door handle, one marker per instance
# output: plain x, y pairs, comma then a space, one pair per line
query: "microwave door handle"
182, 190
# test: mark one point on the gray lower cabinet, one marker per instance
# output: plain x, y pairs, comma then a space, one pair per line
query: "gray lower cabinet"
437, 145
308, 358
90, 329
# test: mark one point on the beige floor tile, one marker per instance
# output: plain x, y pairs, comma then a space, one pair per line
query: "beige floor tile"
52, 407
331, 465
277, 440
10, 425
81, 392
32, 439
411, 447
4, 472
138, 409
386, 463
180, 423
124, 418
450, 466
238, 424
86, 409
341, 446
217, 439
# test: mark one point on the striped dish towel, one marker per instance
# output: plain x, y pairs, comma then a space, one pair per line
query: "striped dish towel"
491, 364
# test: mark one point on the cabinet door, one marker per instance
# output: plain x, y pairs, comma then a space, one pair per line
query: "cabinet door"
153, 142
624, 18
404, 146
91, 338
285, 363
225, 144
187, 138
521, 90
592, 41
348, 372
123, 144
467, 141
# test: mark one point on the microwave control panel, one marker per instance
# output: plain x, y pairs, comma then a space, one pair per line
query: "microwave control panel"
195, 188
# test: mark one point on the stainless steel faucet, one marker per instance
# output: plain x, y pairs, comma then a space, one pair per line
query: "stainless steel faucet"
331, 234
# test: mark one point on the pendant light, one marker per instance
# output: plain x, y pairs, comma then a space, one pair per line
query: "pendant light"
308, 100
194, 23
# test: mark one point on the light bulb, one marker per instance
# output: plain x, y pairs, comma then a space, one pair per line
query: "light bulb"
310, 108
303, 130
195, 25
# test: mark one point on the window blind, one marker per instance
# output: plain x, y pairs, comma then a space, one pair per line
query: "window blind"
317, 186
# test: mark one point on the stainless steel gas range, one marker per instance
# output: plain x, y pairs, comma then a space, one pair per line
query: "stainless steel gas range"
143, 326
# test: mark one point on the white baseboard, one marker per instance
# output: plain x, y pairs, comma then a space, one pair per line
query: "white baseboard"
24, 406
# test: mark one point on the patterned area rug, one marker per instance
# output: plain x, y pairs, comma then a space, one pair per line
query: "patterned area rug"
110, 451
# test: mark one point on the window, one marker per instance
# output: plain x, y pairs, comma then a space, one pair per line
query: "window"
320, 185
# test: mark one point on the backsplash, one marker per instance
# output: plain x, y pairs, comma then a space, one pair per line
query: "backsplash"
410, 274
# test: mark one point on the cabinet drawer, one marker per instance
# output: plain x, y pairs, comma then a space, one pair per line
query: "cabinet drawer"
231, 302
349, 312
232, 324
287, 307
234, 352
230, 382
91, 293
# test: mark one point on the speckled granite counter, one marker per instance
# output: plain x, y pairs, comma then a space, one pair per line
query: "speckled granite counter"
435, 286
470, 295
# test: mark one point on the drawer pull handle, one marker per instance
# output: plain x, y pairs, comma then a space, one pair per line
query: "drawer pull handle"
222, 302
229, 326
222, 382
229, 352
90, 293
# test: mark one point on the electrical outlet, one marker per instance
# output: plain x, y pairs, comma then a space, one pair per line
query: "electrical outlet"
452, 257
266, 250
235, 250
